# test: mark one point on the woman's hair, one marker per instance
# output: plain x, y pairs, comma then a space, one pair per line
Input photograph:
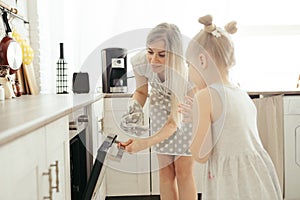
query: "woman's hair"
176, 71
216, 42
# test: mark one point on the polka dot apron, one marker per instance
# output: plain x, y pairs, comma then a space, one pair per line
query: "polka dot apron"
160, 108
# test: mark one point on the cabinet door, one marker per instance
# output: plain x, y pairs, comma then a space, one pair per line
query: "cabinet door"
96, 124
21, 167
57, 157
198, 175
101, 193
130, 175
154, 174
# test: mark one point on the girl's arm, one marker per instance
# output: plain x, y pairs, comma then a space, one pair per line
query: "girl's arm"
202, 142
135, 145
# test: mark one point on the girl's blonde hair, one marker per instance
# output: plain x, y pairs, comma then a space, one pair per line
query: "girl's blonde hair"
216, 42
176, 71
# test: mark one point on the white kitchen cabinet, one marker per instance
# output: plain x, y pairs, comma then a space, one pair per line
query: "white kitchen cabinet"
21, 167
146, 181
96, 126
198, 176
130, 175
27, 162
58, 157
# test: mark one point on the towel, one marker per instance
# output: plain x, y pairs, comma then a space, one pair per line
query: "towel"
132, 122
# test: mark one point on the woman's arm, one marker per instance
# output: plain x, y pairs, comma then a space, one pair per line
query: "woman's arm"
202, 142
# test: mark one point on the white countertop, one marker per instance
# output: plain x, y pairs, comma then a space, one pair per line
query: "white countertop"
270, 93
21, 115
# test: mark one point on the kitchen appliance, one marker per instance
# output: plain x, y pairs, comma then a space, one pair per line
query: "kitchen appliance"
114, 70
86, 174
291, 147
81, 160
80, 82
97, 174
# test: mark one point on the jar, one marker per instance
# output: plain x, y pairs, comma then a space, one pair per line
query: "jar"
2, 94
18, 91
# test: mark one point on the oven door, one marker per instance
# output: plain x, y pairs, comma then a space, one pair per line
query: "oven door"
97, 174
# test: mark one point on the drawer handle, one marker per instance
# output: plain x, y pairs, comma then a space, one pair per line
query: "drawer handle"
100, 125
57, 175
83, 118
50, 183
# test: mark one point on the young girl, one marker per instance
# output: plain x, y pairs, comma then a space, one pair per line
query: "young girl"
162, 67
224, 123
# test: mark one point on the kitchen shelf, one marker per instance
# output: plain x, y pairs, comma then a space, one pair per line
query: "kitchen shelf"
12, 11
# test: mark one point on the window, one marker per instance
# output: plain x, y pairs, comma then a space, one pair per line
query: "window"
267, 43
267, 58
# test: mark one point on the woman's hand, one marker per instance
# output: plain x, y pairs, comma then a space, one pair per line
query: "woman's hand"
134, 145
186, 109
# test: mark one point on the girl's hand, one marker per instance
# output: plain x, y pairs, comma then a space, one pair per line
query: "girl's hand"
134, 145
186, 109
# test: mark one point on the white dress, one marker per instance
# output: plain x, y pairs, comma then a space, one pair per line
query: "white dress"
239, 167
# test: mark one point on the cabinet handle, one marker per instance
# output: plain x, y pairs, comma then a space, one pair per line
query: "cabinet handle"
83, 118
50, 183
57, 176
100, 125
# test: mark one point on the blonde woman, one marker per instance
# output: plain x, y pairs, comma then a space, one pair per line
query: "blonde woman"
224, 123
161, 66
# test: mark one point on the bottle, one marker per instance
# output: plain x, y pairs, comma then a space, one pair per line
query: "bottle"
62, 75
18, 91
2, 94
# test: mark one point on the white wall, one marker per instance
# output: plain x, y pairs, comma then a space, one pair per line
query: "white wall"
266, 57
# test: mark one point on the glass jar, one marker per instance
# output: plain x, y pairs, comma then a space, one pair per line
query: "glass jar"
17, 89
2, 94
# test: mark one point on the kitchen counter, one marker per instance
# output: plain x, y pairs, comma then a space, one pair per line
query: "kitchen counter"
22, 115
251, 93
271, 93
117, 95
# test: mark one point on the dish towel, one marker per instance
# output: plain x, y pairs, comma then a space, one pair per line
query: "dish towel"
132, 122
270, 128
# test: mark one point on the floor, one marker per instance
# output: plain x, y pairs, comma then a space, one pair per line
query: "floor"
153, 197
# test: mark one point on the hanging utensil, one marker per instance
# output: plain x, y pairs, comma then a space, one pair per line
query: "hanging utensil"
27, 51
10, 50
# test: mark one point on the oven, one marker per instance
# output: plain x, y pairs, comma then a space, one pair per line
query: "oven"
86, 175
81, 160
104, 153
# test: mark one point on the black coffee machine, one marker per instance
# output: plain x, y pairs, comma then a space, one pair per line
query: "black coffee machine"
114, 70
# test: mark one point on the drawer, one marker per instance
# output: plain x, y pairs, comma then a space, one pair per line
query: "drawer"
116, 104
98, 108
56, 133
